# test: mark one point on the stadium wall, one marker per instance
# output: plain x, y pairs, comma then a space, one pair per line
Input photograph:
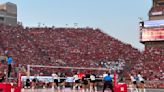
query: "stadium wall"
156, 17
159, 44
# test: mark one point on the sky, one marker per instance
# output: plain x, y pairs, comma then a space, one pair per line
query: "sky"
118, 18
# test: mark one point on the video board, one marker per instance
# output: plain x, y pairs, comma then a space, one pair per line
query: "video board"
153, 23
152, 34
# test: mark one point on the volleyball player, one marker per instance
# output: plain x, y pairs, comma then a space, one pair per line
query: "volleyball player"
133, 82
55, 80
93, 82
76, 81
85, 83
34, 81
62, 80
141, 82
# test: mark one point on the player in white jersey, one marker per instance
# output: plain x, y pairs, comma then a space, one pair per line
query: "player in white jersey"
55, 80
141, 82
93, 82
76, 81
133, 82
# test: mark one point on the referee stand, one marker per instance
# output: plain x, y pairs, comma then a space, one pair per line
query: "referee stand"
6, 86
119, 87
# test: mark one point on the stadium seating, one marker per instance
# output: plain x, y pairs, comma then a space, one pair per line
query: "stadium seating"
156, 9
78, 47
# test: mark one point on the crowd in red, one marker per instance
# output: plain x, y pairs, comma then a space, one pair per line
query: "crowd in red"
156, 10
77, 47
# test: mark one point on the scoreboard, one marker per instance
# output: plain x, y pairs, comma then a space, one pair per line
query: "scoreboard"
152, 34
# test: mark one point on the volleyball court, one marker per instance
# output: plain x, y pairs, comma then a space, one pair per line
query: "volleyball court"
39, 78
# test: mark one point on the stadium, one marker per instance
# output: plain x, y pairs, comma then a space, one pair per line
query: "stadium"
34, 58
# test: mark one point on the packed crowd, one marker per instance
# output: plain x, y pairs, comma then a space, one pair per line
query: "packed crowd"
158, 10
77, 47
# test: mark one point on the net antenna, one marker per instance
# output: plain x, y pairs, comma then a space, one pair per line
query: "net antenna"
63, 67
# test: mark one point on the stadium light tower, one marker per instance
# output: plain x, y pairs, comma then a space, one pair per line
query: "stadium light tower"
75, 24
140, 18
39, 24
66, 25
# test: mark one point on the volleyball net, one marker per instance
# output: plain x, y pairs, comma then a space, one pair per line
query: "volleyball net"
44, 73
